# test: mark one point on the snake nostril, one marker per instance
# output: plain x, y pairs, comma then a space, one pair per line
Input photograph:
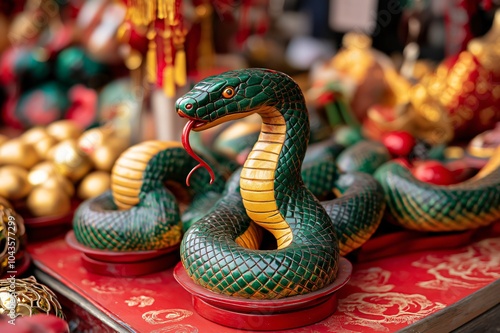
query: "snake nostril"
189, 106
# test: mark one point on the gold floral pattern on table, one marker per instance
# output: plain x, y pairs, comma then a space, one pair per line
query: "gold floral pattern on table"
473, 267
376, 310
106, 288
166, 316
140, 301
179, 328
70, 259
114, 286
383, 295
373, 279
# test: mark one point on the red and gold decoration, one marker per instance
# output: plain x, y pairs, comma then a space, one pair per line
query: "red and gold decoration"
392, 286
15, 184
366, 76
464, 91
161, 21
169, 40
30, 298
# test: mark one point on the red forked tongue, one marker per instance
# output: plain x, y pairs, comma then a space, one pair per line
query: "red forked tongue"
185, 142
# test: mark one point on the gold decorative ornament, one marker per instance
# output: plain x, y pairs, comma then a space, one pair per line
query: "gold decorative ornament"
43, 146
368, 77
94, 184
17, 152
163, 25
12, 239
64, 130
41, 172
356, 57
104, 157
14, 182
59, 183
95, 137
103, 146
463, 93
33, 135
70, 161
31, 298
44, 201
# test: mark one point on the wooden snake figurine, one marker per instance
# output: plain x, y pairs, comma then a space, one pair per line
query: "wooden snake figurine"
140, 213
221, 251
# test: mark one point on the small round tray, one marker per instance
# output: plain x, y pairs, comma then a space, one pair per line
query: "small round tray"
48, 221
124, 263
265, 315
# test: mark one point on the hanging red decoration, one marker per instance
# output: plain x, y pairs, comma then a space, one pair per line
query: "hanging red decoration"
161, 23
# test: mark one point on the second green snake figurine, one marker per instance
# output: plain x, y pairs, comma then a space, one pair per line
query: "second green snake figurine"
221, 251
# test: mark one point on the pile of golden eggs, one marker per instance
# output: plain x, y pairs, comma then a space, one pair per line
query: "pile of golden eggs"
46, 167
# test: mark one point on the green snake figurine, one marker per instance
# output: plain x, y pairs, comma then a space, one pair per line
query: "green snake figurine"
221, 251
140, 213
421, 206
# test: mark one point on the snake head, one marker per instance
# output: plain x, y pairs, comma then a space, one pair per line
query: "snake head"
229, 96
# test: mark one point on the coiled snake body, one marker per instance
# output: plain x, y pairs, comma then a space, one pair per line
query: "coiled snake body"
221, 251
140, 213
422, 206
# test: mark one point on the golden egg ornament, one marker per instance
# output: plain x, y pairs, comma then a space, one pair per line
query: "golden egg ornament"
44, 145
59, 183
64, 130
17, 152
33, 135
104, 157
14, 182
41, 172
94, 184
70, 160
12, 239
30, 298
48, 202
94, 137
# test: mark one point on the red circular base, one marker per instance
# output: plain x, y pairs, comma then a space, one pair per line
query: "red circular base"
125, 263
46, 227
407, 241
265, 315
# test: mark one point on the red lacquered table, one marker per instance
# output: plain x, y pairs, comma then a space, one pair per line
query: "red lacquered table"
431, 290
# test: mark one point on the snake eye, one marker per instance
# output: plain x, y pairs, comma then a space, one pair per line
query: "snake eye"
228, 92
